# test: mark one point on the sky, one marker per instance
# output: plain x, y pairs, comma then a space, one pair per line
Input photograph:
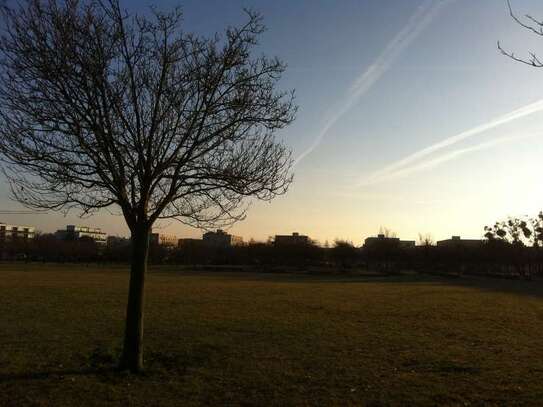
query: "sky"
409, 118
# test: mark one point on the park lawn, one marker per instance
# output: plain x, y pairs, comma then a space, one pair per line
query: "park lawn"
220, 338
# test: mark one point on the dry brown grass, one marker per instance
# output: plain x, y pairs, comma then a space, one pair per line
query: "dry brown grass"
266, 339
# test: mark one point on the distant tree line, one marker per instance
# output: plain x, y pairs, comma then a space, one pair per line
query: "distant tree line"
513, 248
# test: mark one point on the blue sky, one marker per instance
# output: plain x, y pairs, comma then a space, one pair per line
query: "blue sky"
447, 78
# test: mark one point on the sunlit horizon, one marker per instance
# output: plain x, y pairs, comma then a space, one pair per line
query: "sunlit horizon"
418, 125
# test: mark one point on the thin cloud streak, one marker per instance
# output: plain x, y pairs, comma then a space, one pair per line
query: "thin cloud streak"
434, 162
509, 117
422, 17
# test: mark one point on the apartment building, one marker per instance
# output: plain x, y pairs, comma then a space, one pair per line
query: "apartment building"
15, 232
74, 232
221, 239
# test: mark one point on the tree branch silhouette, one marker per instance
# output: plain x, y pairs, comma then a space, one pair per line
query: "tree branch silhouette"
99, 108
533, 25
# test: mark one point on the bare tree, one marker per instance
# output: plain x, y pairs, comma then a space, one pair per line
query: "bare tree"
99, 108
386, 232
533, 25
426, 239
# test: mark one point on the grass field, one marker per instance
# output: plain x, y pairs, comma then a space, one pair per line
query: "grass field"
268, 339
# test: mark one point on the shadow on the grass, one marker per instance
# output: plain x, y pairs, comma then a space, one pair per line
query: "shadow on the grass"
158, 364
533, 288
517, 287
56, 374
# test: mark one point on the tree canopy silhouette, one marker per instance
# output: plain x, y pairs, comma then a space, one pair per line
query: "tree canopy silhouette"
101, 108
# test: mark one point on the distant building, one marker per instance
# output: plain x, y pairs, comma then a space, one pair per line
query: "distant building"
73, 232
16, 232
407, 244
117, 241
381, 239
221, 239
291, 240
189, 242
160, 239
457, 242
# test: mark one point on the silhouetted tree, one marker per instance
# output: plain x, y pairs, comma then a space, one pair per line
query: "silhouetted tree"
100, 108
426, 240
514, 231
384, 252
426, 243
536, 224
517, 240
533, 25
344, 253
386, 232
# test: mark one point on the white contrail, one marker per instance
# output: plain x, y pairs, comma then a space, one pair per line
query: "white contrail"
398, 165
431, 163
422, 17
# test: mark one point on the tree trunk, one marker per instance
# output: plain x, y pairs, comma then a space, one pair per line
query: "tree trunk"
132, 356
